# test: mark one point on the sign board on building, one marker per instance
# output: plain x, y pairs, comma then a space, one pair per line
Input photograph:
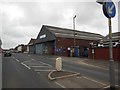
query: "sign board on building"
43, 36
93, 51
68, 48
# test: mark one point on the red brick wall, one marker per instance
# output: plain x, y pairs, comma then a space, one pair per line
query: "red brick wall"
103, 53
64, 43
67, 42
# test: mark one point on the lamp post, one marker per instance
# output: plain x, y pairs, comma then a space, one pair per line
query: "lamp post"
74, 31
109, 11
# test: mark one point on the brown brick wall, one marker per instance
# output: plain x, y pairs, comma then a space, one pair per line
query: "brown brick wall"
103, 53
67, 42
62, 45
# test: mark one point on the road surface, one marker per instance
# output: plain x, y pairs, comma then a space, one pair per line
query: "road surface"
30, 71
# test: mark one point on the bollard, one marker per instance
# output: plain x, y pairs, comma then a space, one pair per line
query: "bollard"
58, 64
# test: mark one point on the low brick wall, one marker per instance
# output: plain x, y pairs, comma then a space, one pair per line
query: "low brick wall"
103, 53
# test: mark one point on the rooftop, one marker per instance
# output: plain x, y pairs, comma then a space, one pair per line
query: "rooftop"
32, 41
69, 33
115, 36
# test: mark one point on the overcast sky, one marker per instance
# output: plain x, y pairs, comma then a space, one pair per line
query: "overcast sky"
22, 20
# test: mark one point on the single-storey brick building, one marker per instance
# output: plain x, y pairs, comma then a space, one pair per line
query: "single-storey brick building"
101, 50
61, 41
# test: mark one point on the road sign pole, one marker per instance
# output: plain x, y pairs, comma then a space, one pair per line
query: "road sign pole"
109, 11
111, 61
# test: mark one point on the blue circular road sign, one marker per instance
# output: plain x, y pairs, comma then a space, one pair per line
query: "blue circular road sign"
109, 9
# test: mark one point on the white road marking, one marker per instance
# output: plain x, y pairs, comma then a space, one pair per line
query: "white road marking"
69, 71
17, 60
107, 86
116, 70
68, 75
93, 65
95, 81
60, 85
117, 86
97, 66
39, 70
25, 65
32, 59
46, 64
78, 77
39, 66
28, 61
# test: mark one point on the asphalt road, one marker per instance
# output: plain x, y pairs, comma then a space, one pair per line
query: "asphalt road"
15, 75
98, 74
18, 72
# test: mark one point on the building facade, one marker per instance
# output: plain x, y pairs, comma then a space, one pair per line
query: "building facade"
61, 41
96, 52
31, 46
20, 48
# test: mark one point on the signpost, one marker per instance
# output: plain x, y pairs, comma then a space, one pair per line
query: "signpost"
109, 11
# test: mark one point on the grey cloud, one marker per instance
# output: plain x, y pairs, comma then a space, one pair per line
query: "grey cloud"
89, 14
10, 42
21, 31
13, 32
52, 13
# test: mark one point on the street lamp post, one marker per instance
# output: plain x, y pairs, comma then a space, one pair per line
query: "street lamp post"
109, 11
74, 31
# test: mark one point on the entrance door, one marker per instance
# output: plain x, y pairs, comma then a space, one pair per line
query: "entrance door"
76, 52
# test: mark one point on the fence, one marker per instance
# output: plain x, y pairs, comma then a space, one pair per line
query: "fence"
102, 53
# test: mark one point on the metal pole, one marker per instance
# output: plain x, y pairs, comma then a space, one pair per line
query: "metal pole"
111, 61
74, 32
74, 28
55, 50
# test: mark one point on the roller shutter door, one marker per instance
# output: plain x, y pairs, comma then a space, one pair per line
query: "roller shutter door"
39, 48
31, 49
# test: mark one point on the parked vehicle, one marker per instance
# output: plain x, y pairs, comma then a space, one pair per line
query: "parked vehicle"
7, 54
